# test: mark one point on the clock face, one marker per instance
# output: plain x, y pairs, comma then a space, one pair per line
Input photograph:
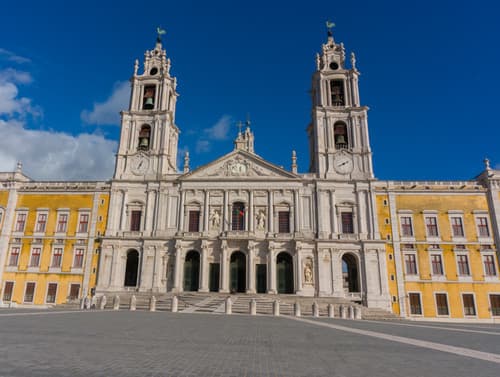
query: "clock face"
343, 164
140, 165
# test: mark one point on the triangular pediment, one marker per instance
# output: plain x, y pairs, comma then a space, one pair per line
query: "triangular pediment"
239, 165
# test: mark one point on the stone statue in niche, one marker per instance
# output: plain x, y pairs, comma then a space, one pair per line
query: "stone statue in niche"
215, 219
261, 220
308, 272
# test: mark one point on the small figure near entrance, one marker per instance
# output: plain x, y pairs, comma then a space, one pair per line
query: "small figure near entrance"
215, 219
261, 220
308, 273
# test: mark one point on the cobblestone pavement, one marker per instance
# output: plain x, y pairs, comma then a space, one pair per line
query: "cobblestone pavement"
138, 343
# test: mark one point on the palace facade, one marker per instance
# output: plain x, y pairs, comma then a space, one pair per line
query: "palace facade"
241, 224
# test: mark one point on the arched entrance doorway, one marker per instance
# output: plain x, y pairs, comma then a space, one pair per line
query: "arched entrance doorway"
131, 268
284, 273
192, 271
238, 272
350, 273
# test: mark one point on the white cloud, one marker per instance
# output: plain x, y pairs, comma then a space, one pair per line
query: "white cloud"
219, 131
47, 154
10, 56
108, 112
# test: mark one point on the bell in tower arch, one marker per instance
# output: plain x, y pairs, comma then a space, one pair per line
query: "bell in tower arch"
144, 136
149, 96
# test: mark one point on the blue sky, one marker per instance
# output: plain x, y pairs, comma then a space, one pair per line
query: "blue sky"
429, 75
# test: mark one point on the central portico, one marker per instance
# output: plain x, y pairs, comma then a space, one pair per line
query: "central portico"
240, 223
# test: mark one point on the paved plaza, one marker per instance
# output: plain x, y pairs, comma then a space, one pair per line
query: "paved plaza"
124, 343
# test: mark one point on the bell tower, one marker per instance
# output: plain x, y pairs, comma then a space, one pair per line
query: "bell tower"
149, 136
338, 133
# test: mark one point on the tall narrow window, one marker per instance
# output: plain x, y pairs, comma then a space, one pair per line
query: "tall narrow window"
194, 221
494, 303
406, 226
62, 223
14, 256
135, 221
347, 223
78, 259
29, 292
411, 264
51, 293
489, 265
57, 257
437, 264
238, 216
442, 304
144, 138
21, 222
7, 291
463, 265
340, 136
431, 225
284, 222
482, 227
457, 227
415, 306
83, 225
74, 291
469, 307
41, 223
35, 257
337, 92
149, 97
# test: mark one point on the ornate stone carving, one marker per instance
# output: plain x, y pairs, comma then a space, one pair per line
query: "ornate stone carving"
214, 219
261, 220
308, 271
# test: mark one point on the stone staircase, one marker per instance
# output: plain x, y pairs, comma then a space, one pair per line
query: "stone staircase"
214, 302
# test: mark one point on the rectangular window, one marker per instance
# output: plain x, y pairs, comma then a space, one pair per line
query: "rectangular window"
495, 305
194, 221
41, 222
406, 227
7, 291
74, 291
347, 223
463, 265
21, 222
238, 216
337, 92
78, 261
457, 227
29, 292
35, 257
411, 264
62, 223
57, 257
83, 225
135, 221
415, 307
14, 256
431, 225
469, 307
489, 265
51, 293
284, 222
437, 264
482, 227
442, 304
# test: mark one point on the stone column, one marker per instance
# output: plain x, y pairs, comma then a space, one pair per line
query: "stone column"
251, 214
362, 214
147, 211
319, 214
180, 226
270, 219
296, 211
116, 272
224, 268
225, 218
298, 268
178, 268
123, 218
206, 210
272, 270
204, 267
251, 267
333, 217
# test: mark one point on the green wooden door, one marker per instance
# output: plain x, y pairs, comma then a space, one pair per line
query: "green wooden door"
261, 278
192, 271
214, 275
284, 273
238, 272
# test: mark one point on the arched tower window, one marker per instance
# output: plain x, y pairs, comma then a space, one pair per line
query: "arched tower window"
337, 92
238, 216
148, 100
340, 135
144, 137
